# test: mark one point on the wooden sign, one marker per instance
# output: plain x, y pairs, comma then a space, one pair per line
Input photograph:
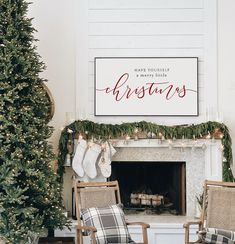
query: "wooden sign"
146, 86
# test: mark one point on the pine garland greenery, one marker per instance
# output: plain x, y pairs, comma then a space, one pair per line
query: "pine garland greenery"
30, 195
112, 131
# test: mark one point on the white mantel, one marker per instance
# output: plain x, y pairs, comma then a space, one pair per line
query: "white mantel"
203, 160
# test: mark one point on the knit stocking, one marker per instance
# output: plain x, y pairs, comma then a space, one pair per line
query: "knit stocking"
105, 160
89, 163
78, 158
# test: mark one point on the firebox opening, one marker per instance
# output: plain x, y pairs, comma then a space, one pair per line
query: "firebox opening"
153, 187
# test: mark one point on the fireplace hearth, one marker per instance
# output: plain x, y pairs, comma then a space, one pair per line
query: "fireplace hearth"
151, 186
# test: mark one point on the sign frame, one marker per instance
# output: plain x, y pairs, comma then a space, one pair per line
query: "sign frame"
107, 68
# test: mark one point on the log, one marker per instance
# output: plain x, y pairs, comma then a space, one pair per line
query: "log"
146, 199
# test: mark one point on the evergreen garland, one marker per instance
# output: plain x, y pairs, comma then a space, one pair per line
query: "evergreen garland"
112, 131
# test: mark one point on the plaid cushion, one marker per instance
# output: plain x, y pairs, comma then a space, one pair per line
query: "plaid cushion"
217, 236
109, 222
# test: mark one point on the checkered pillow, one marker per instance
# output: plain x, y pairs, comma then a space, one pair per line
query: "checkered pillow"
109, 222
217, 236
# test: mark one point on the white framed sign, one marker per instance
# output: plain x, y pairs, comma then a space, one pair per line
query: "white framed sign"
149, 86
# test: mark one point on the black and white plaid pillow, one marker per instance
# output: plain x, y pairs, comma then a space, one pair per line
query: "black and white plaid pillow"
217, 236
109, 222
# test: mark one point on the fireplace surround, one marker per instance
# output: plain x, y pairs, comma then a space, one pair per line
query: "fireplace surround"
202, 159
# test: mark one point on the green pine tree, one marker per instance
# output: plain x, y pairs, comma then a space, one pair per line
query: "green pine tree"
30, 195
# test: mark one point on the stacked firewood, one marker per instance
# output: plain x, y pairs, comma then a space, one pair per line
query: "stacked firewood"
142, 199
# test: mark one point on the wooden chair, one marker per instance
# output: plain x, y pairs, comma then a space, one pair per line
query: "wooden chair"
98, 194
218, 210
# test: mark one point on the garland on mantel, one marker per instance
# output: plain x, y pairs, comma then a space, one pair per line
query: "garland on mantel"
102, 131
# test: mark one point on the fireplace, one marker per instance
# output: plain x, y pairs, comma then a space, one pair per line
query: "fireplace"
195, 160
151, 186
201, 160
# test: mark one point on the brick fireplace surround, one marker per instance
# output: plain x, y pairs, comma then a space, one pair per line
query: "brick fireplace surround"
203, 160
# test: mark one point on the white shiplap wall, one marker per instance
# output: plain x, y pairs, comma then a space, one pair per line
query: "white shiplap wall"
146, 28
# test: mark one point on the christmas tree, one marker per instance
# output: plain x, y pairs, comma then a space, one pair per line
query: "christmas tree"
30, 194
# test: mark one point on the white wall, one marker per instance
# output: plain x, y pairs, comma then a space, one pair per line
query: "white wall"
56, 22
226, 64
111, 28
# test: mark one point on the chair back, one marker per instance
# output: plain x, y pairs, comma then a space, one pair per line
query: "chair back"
95, 194
219, 205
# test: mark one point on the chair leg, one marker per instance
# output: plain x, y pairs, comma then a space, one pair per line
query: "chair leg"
145, 235
186, 235
79, 237
93, 240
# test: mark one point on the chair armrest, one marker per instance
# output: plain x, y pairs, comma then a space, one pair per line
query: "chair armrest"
187, 229
86, 227
92, 230
144, 225
196, 222
144, 229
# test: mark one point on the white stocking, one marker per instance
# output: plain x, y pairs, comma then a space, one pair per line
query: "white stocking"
89, 162
105, 159
78, 158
